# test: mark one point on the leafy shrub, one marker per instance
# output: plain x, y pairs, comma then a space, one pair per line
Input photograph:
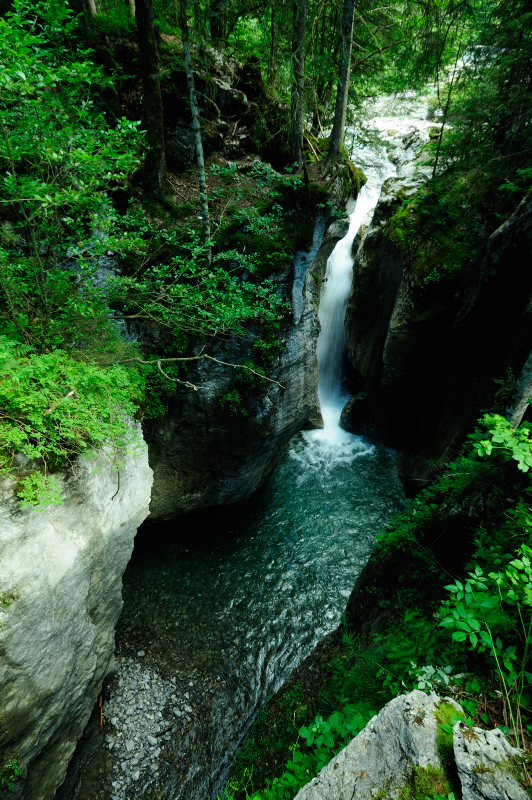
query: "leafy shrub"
54, 408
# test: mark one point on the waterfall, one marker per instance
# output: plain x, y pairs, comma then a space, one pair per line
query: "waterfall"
332, 445
333, 304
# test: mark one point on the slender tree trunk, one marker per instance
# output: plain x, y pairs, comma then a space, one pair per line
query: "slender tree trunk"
445, 113
131, 6
271, 71
522, 394
197, 130
297, 104
154, 161
217, 22
91, 5
342, 92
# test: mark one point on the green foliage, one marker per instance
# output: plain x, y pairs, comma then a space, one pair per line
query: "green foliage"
233, 402
427, 782
323, 738
485, 608
54, 408
59, 160
10, 772
503, 440
180, 290
485, 616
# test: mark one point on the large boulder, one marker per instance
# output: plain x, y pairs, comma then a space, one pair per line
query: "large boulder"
61, 572
384, 757
401, 753
482, 760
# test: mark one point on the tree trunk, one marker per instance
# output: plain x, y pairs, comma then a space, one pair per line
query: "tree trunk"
271, 71
154, 161
131, 6
342, 92
217, 22
297, 103
91, 5
522, 394
197, 130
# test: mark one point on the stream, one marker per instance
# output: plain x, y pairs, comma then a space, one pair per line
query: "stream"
220, 607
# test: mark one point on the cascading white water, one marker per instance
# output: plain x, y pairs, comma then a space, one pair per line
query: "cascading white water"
333, 304
332, 444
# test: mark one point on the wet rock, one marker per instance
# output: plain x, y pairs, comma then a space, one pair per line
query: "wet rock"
482, 763
179, 145
425, 356
65, 566
383, 757
202, 455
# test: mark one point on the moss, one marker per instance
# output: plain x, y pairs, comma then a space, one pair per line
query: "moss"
425, 782
520, 768
441, 227
446, 716
356, 178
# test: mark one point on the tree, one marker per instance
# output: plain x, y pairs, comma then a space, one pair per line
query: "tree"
197, 129
521, 397
297, 104
340, 110
217, 22
154, 162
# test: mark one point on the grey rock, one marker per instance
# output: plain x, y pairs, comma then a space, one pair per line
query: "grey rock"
382, 757
152, 740
65, 564
203, 456
418, 350
130, 744
482, 761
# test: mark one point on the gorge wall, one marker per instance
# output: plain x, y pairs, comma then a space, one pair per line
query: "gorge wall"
426, 355
202, 453
62, 569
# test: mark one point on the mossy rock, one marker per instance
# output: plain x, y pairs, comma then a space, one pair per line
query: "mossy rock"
355, 179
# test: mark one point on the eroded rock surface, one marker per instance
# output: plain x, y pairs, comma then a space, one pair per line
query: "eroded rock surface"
426, 355
64, 568
482, 761
202, 453
382, 757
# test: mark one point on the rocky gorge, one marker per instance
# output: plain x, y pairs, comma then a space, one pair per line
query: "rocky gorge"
198, 456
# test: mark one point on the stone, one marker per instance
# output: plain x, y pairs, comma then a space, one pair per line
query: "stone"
204, 456
152, 740
65, 566
482, 762
424, 355
381, 759
130, 744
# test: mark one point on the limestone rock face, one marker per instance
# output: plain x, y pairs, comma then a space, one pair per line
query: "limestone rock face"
399, 742
203, 453
63, 567
481, 759
382, 757
426, 355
